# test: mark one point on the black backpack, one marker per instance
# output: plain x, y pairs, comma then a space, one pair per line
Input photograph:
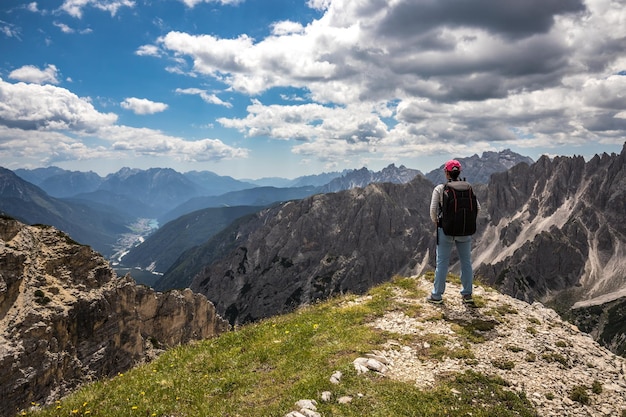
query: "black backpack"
459, 209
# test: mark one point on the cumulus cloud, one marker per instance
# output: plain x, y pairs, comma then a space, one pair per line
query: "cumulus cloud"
75, 7
54, 122
204, 95
32, 74
456, 53
47, 107
148, 50
193, 3
310, 122
142, 105
394, 77
45, 147
319, 4
374, 78
286, 27
150, 142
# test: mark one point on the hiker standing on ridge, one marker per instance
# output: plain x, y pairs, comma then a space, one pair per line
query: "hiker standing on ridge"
453, 209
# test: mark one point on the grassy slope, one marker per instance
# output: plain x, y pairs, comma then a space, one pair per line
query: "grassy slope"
262, 369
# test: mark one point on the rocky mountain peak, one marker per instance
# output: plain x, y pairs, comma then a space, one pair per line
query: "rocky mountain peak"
362, 177
478, 169
123, 173
65, 317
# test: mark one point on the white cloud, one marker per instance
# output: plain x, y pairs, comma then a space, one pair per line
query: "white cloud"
46, 107
64, 28
45, 124
319, 4
292, 60
286, 27
311, 122
32, 74
526, 74
69, 30
75, 7
149, 142
9, 30
193, 3
142, 105
205, 95
44, 147
148, 50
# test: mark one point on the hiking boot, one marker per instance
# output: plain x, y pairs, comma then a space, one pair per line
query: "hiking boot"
467, 299
432, 300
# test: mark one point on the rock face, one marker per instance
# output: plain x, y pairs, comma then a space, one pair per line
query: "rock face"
306, 250
66, 318
557, 232
605, 322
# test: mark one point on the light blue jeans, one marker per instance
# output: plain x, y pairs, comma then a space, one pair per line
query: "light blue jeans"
444, 248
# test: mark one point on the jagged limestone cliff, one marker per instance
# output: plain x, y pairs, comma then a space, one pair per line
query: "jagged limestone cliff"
327, 244
66, 318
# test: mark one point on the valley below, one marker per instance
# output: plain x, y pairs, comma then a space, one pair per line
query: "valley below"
141, 229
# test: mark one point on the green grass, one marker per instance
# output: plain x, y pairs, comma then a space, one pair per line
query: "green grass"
262, 369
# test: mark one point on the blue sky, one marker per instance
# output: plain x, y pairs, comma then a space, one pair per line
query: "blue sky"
258, 88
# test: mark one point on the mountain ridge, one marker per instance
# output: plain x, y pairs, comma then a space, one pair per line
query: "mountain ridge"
348, 180
300, 251
478, 169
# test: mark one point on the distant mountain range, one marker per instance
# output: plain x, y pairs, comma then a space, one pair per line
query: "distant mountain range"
102, 211
98, 226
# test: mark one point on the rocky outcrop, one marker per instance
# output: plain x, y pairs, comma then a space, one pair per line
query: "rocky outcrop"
527, 345
556, 368
66, 318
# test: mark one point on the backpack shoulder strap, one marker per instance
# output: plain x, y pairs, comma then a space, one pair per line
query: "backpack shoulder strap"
459, 185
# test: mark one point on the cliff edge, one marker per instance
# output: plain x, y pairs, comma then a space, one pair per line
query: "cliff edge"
66, 318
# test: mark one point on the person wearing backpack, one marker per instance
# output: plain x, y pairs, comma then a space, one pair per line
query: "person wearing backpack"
453, 209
